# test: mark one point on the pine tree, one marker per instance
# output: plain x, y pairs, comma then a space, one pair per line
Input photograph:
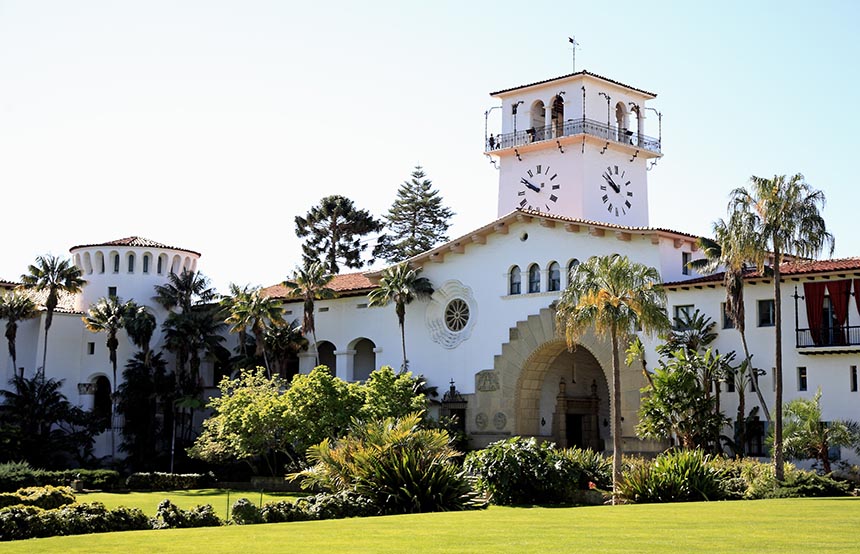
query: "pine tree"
334, 230
417, 220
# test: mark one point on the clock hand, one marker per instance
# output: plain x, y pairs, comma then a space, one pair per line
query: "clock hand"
529, 185
612, 184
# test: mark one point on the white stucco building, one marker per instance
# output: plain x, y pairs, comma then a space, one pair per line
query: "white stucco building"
573, 157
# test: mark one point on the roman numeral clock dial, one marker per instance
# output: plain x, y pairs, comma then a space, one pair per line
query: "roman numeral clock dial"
539, 189
615, 191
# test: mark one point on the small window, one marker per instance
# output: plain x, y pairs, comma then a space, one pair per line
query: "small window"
131, 263
686, 257
728, 323
554, 279
159, 266
766, 315
91, 348
515, 280
730, 384
361, 306
456, 315
111, 292
146, 263
288, 312
323, 309
571, 268
801, 379
682, 314
116, 263
534, 278
853, 377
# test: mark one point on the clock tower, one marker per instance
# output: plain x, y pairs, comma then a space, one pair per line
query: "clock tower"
575, 146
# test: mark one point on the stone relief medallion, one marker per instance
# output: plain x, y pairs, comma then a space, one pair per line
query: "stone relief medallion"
481, 421
451, 314
500, 420
86, 388
487, 380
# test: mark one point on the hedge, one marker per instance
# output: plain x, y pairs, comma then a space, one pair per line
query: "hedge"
158, 481
16, 475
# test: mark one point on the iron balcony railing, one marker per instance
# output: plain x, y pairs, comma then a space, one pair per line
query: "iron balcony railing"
573, 127
829, 336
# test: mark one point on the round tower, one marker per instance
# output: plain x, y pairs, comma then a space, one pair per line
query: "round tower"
128, 268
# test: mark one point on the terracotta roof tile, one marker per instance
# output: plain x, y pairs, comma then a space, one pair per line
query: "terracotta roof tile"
134, 241
651, 94
786, 269
341, 284
65, 301
7, 284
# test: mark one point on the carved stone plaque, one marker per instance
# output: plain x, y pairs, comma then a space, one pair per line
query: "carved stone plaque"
481, 421
487, 380
500, 420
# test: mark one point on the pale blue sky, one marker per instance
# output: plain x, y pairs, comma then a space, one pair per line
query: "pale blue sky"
211, 124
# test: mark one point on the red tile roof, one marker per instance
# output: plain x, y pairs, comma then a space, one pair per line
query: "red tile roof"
786, 269
651, 94
134, 241
8, 284
346, 284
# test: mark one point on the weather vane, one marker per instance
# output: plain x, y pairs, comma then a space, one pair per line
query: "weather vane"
572, 40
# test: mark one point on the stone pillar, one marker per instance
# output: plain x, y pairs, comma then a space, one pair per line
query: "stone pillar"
345, 360
548, 120
307, 361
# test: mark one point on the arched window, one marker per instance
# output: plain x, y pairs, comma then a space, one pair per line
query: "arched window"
100, 262
364, 361
558, 116
534, 278
571, 268
115, 262
554, 277
131, 262
101, 400
327, 356
621, 122
515, 280
146, 263
538, 121
160, 265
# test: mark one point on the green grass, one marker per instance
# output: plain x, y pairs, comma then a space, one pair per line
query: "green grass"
148, 501
777, 526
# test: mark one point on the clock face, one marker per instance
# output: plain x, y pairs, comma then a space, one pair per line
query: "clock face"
616, 194
539, 189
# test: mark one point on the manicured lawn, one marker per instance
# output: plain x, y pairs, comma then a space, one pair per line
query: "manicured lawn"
148, 501
777, 526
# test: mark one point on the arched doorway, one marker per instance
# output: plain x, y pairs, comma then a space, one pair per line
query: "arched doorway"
563, 396
364, 360
102, 399
327, 356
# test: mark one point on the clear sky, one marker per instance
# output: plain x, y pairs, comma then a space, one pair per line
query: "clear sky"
210, 125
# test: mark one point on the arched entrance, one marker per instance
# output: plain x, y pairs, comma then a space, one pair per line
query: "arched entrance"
563, 396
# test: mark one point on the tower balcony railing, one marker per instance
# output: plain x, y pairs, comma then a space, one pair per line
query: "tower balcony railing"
573, 127
829, 336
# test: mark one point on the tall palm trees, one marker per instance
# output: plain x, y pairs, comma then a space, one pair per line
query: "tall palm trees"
250, 309
400, 284
310, 283
16, 306
612, 295
52, 275
786, 218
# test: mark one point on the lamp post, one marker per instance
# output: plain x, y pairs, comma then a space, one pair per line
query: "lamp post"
486, 116
659, 125
608, 117
514, 111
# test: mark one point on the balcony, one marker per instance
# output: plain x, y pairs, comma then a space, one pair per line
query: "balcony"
829, 340
571, 128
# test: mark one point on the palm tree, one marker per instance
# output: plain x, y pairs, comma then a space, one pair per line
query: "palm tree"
735, 246
613, 296
53, 275
108, 315
310, 284
140, 324
183, 291
249, 308
284, 342
16, 306
785, 214
400, 284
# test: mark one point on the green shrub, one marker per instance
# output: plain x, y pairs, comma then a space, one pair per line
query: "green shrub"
321, 506
16, 475
244, 512
808, 483
170, 516
47, 498
23, 522
675, 476
283, 511
521, 471
398, 465
157, 481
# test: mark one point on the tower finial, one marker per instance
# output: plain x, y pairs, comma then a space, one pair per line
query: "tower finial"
572, 40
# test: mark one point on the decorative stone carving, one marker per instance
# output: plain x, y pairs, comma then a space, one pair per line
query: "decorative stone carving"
487, 380
451, 294
481, 421
86, 388
500, 420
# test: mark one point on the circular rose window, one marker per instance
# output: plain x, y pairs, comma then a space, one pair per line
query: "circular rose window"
456, 315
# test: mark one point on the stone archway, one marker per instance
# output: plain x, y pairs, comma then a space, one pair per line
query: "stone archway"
508, 397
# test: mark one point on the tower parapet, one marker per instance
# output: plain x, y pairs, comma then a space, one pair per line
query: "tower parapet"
128, 268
